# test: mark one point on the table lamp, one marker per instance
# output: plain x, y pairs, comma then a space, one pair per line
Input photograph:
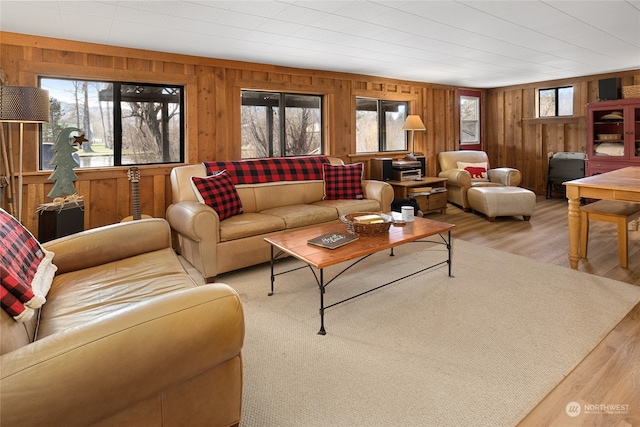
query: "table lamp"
413, 123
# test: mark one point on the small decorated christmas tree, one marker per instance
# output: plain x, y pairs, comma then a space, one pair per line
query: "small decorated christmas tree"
64, 163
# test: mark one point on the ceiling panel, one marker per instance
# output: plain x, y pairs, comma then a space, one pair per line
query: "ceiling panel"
466, 43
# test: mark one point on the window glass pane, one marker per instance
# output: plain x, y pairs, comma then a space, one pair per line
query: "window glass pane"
565, 101
366, 125
469, 120
547, 99
260, 118
469, 108
77, 104
395, 113
150, 124
303, 125
469, 132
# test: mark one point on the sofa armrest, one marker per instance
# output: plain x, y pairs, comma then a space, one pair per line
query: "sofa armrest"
380, 191
110, 243
90, 372
457, 177
506, 176
194, 220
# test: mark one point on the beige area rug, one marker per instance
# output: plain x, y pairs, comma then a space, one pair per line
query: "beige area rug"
480, 349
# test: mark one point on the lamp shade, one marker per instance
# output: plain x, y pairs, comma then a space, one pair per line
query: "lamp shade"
413, 122
24, 104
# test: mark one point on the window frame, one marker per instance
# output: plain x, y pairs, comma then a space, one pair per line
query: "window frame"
381, 119
556, 90
281, 125
116, 125
477, 145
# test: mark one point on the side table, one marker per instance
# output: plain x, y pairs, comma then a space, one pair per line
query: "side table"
59, 221
436, 200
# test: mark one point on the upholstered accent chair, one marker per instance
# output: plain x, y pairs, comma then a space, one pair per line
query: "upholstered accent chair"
466, 169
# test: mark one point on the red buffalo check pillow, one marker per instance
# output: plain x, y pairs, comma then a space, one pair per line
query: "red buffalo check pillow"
26, 270
342, 181
218, 192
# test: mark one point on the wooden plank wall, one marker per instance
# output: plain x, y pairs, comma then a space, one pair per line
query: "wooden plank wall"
213, 127
514, 137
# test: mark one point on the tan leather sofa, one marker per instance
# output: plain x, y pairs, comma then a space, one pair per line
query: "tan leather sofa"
459, 181
126, 338
215, 247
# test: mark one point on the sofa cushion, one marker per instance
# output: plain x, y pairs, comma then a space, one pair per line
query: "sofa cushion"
27, 271
218, 192
343, 181
350, 206
303, 215
249, 224
81, 296
478, 170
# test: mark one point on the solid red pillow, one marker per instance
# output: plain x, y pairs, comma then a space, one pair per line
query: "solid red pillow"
342, 181
219, 192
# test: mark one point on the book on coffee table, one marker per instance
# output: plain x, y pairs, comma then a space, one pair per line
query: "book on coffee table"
333, 240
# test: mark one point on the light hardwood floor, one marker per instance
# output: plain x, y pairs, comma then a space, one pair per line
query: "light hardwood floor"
610, 374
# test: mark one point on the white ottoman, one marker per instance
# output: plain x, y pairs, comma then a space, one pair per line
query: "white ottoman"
502, 201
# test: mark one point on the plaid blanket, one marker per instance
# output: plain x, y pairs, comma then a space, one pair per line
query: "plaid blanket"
14, 296
26, 271
259, 171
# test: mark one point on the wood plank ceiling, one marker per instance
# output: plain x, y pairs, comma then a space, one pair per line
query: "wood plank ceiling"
481, 44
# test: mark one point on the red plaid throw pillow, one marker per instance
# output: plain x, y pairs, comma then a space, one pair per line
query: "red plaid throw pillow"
26, 270
342, 181
219, 192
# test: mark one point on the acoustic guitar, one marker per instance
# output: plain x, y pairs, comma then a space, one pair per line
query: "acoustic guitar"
134, 177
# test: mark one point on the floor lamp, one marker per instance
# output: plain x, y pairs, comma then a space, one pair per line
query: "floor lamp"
23, 104
413, 123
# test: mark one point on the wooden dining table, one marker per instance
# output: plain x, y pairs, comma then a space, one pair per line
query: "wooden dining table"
621, 184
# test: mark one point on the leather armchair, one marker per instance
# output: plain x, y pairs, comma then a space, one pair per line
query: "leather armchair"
459, 180
126, 338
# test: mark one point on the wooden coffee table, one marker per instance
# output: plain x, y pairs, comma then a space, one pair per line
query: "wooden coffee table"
295, 244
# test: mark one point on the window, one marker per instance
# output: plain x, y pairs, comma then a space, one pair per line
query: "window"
280, 124
124, 123
555, 102
469, 120
379, 125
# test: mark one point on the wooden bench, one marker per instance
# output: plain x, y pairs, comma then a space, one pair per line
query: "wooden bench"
619, 213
